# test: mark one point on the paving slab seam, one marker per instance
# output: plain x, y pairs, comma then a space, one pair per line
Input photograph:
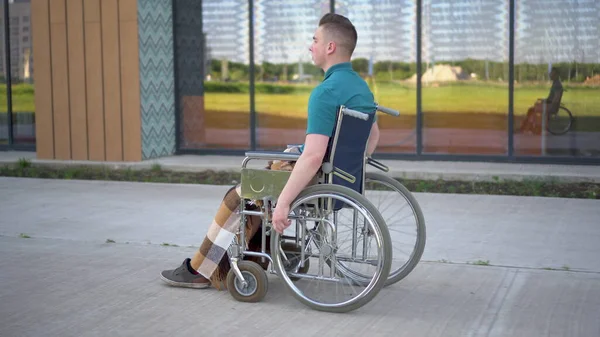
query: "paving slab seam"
185, 247
580, 271
126, 243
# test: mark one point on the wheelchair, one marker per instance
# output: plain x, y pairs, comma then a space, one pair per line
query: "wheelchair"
339, 251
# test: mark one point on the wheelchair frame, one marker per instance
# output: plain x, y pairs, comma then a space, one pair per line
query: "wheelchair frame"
266, 185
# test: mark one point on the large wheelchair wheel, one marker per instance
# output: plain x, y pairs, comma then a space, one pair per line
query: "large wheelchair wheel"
328, 222
404, 219
560, 122
405, 223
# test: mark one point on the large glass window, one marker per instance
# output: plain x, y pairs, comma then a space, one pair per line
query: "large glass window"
23, 97
385, 56
215, 111
21, 74
285, 73
465, 76
557, 72
3, 74
465, 73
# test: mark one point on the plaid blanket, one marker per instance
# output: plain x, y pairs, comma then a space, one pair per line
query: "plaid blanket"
211, 260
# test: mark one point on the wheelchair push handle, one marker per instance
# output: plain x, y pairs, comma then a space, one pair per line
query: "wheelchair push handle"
354, 113
387, 110
365, 116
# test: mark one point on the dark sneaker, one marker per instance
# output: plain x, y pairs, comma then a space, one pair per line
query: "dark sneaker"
185, 276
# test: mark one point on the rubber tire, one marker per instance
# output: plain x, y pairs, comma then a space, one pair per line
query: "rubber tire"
421, 228
262, 282
571, 119
386, 243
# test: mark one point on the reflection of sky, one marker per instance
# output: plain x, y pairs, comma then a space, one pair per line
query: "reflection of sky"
454, 30
284, 29
557, 30
386, 28
545, 30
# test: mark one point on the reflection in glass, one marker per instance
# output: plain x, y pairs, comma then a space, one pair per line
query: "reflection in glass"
465, 76
3, 104
385, 56
285, 74
214, 101
557, 71
21, 72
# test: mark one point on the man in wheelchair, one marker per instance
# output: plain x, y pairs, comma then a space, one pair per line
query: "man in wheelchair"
532, 121
332, 47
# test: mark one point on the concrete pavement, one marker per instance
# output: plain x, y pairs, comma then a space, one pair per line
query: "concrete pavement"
67, 281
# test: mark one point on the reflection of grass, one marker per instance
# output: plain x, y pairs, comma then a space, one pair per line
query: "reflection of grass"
454, 98
23, 99
471, 98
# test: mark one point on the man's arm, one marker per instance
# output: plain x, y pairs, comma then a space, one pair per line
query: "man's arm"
305, 168
373, 139
304, 171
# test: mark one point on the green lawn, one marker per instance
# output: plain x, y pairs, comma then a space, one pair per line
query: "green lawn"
454, 98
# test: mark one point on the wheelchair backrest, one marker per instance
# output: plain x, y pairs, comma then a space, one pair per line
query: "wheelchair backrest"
346, 150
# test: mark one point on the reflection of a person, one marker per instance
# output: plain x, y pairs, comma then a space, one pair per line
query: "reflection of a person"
530, 122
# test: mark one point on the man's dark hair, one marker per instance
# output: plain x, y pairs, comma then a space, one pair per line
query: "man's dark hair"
341, 29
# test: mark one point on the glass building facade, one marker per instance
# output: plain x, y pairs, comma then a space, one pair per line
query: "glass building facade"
466, 75
17, 106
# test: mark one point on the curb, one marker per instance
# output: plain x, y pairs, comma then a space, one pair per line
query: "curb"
410, 173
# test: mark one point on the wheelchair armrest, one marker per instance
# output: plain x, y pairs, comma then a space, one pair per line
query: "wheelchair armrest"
270, 155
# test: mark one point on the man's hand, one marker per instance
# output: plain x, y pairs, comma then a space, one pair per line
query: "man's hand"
280, 217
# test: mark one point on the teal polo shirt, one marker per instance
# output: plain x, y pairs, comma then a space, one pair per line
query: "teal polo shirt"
341, 86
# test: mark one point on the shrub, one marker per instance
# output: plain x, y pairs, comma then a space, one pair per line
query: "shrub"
259, 88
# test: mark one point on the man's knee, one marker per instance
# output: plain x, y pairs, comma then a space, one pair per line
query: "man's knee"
284, 165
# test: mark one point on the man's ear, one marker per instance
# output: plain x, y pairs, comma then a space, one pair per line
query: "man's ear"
331, 47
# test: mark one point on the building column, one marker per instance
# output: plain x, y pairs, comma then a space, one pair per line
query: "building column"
190, 70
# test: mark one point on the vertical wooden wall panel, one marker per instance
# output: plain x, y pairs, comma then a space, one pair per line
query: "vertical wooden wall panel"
88, 97
112, 80
130, 80
60, 80
93, 76
77, 86
44, 132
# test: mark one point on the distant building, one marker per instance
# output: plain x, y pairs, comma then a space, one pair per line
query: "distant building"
21, 54
386, 29
452, 29
457, 30
225, 24
549, 31
284, 29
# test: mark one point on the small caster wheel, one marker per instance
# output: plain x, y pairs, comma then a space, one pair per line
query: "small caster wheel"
256, 282
292, 252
